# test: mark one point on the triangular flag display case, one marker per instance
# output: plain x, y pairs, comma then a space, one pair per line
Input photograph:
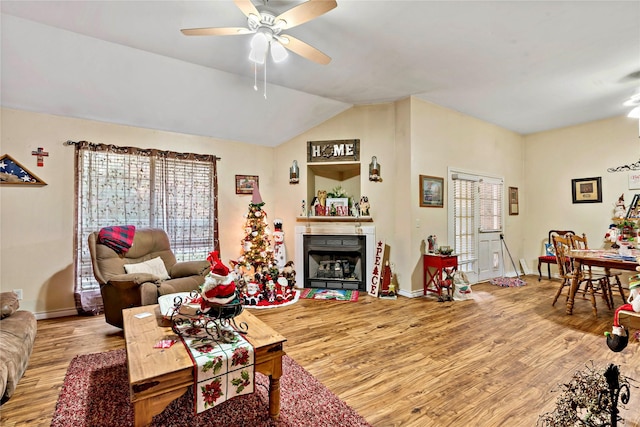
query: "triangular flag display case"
13, 173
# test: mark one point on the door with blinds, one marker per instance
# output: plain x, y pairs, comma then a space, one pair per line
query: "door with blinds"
475, 224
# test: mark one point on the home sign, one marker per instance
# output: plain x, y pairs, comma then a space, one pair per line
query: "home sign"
341, 150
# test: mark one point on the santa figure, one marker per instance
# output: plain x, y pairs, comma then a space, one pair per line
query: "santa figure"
219, 286
618, 338
279, 251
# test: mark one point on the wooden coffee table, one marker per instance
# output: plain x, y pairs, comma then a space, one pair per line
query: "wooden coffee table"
159, 376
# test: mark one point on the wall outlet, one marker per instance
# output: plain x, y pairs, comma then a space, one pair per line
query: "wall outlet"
18, 292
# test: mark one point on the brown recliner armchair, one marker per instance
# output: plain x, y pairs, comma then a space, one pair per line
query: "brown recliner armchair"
122, 290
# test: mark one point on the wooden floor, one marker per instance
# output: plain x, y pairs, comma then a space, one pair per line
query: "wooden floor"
492, 361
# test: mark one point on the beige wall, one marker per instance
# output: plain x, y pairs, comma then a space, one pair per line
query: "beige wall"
409, 138
36, 246
556, 157
374, 126
442, 138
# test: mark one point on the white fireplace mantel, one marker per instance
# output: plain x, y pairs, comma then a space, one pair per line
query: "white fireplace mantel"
336, 229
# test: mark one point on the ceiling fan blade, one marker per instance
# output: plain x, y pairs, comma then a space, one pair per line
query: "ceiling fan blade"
247, 7
305, 12
228, 31
303, 49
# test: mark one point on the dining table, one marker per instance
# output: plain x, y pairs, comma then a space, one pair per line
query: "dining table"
609, 259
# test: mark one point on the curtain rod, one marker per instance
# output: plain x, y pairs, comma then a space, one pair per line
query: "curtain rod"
70, 142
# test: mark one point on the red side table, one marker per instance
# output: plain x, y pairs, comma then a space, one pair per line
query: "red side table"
438, 273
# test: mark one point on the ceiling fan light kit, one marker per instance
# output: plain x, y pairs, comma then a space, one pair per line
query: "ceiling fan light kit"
278, 52
266, 28
634, 101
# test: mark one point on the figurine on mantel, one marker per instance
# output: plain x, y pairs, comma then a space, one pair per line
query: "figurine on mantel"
355, 209
619, 211
364, 206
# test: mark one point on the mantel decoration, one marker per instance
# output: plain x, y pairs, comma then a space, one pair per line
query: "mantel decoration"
13, 173
586, 190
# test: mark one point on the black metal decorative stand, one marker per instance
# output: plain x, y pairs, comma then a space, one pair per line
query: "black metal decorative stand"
217, 320
616, 391
592, 398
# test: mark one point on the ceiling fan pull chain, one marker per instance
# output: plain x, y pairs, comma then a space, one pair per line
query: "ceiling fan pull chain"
265, 77
255, 76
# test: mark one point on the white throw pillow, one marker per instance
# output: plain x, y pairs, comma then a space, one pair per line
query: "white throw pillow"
154, 266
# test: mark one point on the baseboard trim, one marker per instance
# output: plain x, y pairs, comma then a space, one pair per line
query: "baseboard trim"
56, 313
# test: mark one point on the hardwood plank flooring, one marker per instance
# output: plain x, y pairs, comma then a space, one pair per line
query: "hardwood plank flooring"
492, 361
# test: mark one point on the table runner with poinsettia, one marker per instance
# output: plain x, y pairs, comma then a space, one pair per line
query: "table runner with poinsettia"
222, 370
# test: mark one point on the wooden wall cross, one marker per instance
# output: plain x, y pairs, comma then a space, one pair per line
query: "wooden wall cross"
41, 155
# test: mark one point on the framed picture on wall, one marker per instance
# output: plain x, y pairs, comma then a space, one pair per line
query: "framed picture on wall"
431, 191
513, 201
245, 183
586, 190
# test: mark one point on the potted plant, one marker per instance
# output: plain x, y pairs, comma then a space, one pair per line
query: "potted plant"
628, 229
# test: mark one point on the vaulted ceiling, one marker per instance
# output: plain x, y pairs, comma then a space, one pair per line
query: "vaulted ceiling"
527, 66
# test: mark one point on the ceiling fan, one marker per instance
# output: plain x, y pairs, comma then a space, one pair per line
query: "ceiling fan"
267, 29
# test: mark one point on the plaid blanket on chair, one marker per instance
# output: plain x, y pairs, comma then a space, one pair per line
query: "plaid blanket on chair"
119, 237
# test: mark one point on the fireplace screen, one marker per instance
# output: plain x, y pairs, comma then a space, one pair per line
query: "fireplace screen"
334, 262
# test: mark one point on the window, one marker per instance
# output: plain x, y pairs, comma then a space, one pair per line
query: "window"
464, 221
490, 194
146, 188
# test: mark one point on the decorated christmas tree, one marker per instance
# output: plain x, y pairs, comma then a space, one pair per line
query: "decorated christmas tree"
257, 251
262, 283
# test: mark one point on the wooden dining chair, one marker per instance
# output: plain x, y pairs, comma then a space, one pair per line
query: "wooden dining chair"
550, 258
579, 242
567, 273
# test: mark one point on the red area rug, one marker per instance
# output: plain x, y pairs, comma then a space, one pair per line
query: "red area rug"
330, 294
96, 393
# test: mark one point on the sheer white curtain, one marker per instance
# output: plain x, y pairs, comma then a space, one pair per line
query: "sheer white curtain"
146, 188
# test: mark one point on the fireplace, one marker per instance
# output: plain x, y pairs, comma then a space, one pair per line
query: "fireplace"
334, 256
335, 261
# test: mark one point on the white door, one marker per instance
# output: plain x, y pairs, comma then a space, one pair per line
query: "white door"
490, 260
475, 224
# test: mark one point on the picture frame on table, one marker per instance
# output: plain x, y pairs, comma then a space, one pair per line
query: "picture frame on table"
431, 191
246, 183
586, 190
514, 207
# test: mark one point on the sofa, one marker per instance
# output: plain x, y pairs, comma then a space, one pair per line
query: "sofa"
17, 334
143, 273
